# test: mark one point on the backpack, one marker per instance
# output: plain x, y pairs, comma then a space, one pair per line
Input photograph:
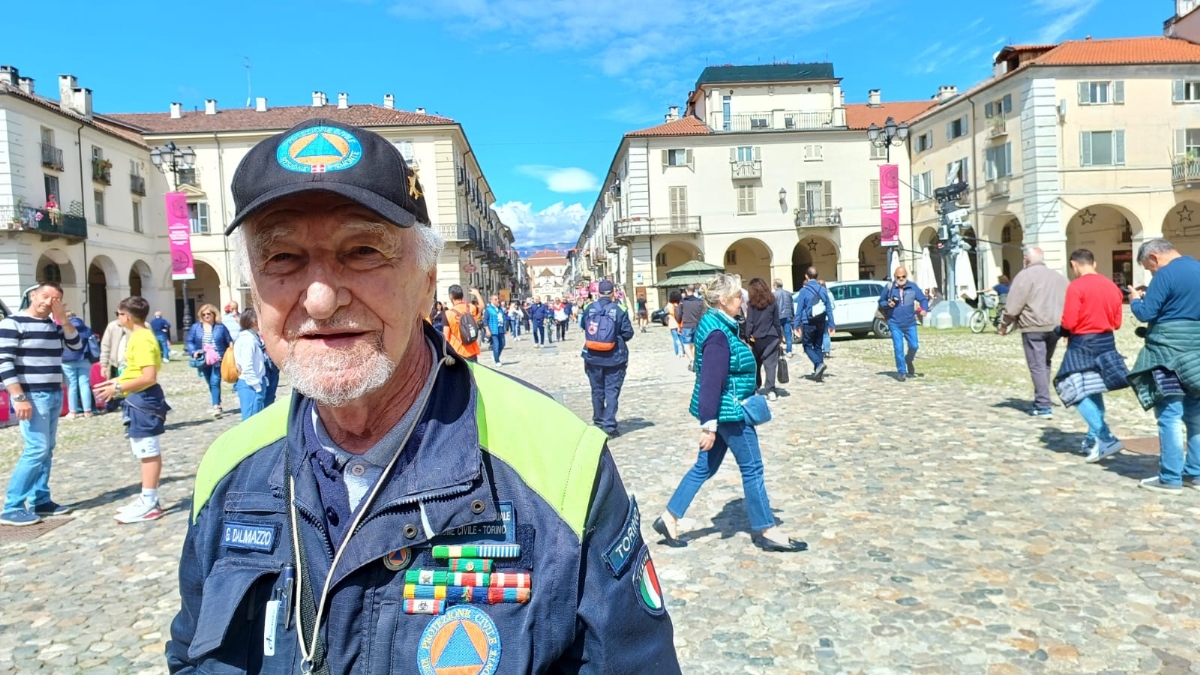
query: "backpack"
815, 310
601, 328
468, 328
91, 349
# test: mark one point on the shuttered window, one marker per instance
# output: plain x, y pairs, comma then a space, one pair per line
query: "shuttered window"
1102, 148
745, 200
874, 193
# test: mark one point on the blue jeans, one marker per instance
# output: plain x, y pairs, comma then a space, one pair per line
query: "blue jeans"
676, 342
212, 375
899, 336
1091, 409
497, 346
811, 336
606, 383
30, 483
1178, 433
786, 326
539, 333
742, 439
826, 343
164, 344
79, 385
252, 401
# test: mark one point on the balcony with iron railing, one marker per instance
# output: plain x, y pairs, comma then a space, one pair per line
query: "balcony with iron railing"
102, 171
49, 224
746, 170
52, 157
1185, 171
771, 120
137, 184
644, 227
454, 232
997, 188
998, 128
818, 217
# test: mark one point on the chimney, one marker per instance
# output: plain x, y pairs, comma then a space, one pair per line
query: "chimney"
260, 104
343, 101
81, 102
9, 75
66, 83
318, 99
420, 111
210, 106
673, 113
946, 92
389, 101
874, 98
26, 84
176, 110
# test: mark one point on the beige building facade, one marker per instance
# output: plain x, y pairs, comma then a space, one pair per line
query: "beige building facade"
1087, 144
766, 172
80, 202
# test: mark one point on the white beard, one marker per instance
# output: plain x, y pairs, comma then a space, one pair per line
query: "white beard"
340, 376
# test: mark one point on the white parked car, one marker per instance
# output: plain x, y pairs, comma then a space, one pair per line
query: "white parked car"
854, 307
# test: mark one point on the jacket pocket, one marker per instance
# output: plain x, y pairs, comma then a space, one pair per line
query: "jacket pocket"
232, 607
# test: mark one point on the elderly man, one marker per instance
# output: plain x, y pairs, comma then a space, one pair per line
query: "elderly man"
1035, 307
396, 514
1166, 376
903, 303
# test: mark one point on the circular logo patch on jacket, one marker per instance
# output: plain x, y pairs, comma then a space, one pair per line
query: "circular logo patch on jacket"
645, 582
319, 150
398, 560
462, 641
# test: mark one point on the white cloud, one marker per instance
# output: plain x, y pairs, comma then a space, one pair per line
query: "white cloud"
941, 55
1064, 15
623, 37
568, 179
557, 223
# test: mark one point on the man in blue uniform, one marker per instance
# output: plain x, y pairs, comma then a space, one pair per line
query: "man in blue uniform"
400, 512
606, 329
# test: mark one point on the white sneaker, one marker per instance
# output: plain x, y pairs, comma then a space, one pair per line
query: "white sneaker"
135, 505
146, 512
1104, 449
771, 396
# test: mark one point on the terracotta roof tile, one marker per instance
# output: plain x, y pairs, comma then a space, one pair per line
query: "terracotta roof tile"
684, 126
97, 121
1122, 51
862, 116
274, 119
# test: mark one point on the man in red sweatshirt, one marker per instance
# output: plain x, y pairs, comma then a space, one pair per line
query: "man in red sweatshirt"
1091, 365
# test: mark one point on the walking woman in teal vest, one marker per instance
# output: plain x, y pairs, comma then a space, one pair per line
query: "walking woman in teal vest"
725, 369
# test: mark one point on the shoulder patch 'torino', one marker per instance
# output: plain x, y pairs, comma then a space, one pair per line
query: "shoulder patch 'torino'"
628, 543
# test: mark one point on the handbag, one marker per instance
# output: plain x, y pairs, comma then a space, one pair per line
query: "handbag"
756, 410
229, 369
197, 362
781, 372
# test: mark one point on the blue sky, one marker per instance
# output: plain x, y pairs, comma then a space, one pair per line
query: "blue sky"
543, 88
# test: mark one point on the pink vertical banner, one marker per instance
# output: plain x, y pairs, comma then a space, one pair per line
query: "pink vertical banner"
889, 205
179, 236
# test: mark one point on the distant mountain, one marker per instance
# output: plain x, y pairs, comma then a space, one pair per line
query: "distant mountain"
526, 251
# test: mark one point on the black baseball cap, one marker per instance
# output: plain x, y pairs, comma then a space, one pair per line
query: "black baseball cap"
327, 156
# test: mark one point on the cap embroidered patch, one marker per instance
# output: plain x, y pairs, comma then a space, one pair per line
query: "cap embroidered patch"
463, 641
646, 585
398, 560
319, 150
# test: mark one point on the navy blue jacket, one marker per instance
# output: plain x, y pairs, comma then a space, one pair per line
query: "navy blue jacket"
69, 355
195, 339
903, 314
1173, 293
619, 355
538, 312
144, 413
805, 300
584, 614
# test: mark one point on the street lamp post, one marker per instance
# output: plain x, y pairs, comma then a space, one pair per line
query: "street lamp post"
169, 158
891, 134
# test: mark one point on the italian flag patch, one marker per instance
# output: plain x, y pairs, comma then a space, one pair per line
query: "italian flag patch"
646, 584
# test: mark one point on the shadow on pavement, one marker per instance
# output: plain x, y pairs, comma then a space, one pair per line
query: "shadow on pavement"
1125, 463
731, 520
1015, 404
193, 423
123, 493
634, 424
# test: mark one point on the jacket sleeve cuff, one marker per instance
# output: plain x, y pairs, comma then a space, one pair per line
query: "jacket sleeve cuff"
710, 425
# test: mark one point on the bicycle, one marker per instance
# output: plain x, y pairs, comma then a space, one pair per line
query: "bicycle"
989, 310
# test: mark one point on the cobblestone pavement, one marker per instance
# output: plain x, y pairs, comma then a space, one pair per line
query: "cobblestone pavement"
949, 531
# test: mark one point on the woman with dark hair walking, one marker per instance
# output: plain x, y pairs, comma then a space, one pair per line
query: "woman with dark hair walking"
762, 324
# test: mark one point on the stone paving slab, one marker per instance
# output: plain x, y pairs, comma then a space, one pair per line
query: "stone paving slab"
950, 532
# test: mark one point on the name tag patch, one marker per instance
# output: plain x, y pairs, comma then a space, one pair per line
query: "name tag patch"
628, 543
502, 531
249, 537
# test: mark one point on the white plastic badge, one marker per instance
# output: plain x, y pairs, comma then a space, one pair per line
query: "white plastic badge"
272, 619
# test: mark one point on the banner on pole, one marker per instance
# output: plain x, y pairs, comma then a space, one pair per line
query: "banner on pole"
179, 236
889, 205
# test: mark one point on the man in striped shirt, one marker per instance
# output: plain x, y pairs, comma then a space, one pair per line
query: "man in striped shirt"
31, 346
